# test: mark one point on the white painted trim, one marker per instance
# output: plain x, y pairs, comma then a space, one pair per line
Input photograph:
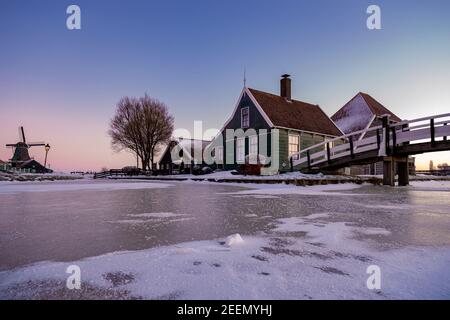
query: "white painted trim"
260, 109
234, 111
252, 98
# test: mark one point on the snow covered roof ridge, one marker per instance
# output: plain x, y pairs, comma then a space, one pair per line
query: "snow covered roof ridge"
356, 114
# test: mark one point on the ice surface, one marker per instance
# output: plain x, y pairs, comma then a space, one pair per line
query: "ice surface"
15, 187
281, 189
315, 256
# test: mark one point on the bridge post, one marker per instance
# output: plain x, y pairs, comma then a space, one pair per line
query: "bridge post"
388, 171
445, 137
394, 140
378, 140
309, 159
385, 123
328, 153
432, 133
403, 174
352, 149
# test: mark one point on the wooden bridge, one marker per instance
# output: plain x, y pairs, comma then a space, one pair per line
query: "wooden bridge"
391, 143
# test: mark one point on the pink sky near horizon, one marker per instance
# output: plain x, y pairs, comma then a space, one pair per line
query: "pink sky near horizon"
81, 142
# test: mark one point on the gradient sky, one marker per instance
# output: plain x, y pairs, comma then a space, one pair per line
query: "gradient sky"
62, 85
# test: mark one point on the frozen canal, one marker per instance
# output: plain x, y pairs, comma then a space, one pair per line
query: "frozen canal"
157, 240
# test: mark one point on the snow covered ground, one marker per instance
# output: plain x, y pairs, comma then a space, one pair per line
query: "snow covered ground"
320, 251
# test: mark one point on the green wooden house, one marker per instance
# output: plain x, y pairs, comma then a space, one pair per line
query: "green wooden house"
283, 126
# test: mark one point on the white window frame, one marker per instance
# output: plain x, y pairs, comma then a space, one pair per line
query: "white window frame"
293, 153
245, 125
240, 150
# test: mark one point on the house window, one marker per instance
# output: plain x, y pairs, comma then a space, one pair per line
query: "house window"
245, 117
294, 144
219, 155
240, 150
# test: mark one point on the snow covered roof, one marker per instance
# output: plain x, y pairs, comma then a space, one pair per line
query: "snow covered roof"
356, 114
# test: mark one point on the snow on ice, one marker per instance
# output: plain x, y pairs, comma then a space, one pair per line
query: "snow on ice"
329, 263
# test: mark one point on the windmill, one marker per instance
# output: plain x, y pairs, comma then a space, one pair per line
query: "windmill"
21, 155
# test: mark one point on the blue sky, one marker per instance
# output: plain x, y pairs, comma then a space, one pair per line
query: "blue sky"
63, 85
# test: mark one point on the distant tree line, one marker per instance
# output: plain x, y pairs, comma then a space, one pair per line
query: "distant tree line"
141, 125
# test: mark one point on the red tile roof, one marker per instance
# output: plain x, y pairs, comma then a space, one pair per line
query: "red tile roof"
295, 114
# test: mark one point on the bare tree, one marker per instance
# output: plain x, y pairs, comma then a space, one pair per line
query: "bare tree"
142, 126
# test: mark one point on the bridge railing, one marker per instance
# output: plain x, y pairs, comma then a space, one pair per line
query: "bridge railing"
374, 138
348, 144
430, 129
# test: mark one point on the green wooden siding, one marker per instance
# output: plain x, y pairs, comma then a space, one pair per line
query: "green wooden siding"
306, 140
284, 150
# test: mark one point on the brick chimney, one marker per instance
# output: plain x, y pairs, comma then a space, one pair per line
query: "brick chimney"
285, 86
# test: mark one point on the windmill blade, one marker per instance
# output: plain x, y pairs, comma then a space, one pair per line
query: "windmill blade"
11, 144
34, 144
23, 134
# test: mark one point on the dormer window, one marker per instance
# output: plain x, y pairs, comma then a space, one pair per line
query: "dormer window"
245, 117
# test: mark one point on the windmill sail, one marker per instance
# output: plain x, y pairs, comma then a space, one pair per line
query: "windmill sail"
23, 134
